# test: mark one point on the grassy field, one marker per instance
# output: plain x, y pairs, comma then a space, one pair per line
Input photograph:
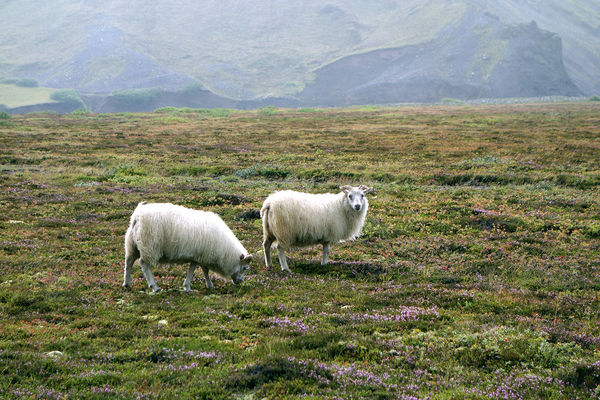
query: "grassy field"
477, 275
16, 96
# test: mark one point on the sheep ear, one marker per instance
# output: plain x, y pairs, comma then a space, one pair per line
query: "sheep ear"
246, 258
346, 188
365, 189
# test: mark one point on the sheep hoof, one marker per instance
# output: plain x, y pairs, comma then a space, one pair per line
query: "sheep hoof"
286, 270
126, 286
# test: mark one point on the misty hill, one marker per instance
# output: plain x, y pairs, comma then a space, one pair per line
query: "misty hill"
312, 52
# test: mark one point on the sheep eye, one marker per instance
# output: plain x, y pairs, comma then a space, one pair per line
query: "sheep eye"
351, 197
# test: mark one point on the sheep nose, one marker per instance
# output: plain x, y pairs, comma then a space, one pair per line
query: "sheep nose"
357, 207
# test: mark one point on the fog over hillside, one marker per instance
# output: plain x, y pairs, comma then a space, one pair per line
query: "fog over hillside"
312, 52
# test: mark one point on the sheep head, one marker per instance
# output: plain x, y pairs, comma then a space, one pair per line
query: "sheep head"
355, 196
238, 276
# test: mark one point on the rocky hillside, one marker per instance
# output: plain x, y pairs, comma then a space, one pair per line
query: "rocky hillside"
477, 57
310, 53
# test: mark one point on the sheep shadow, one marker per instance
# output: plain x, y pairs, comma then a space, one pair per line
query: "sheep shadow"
350, 269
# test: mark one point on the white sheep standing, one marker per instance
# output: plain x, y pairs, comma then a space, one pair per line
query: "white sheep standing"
167, 233
296, 219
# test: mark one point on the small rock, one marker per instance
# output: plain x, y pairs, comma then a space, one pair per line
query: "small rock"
55, 354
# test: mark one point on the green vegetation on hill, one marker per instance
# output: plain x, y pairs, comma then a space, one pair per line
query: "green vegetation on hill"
68, 96
139, 97
5, 119
476, 276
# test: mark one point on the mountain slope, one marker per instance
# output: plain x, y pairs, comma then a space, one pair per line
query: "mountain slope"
477, 57
246, 50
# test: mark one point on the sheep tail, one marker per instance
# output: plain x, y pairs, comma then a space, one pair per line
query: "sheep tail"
264, 214
130, 245
264, 210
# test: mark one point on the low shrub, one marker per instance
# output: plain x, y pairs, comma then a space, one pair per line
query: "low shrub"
267, 111
321, 175
27, 82
593, 230
5, 119
199, 170
137, 96
584, 375
267, 171
70, 97
577, 181
192, 87
80, 112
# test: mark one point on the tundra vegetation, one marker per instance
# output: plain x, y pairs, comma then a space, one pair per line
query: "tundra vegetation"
476, 276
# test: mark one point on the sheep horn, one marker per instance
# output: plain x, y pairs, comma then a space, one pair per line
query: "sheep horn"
365, 189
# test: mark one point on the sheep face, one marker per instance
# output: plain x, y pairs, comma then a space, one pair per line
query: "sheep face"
355, 196
238, 276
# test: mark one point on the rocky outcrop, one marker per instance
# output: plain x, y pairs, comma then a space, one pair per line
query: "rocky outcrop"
477, 57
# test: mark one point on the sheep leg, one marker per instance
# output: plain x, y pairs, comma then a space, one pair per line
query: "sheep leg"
188, 277
131, 254
149, 277
209, 284
282, 260
267, 249
325, 253
129, 260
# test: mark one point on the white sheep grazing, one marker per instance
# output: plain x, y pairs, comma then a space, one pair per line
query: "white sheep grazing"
166, 233
295, 219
